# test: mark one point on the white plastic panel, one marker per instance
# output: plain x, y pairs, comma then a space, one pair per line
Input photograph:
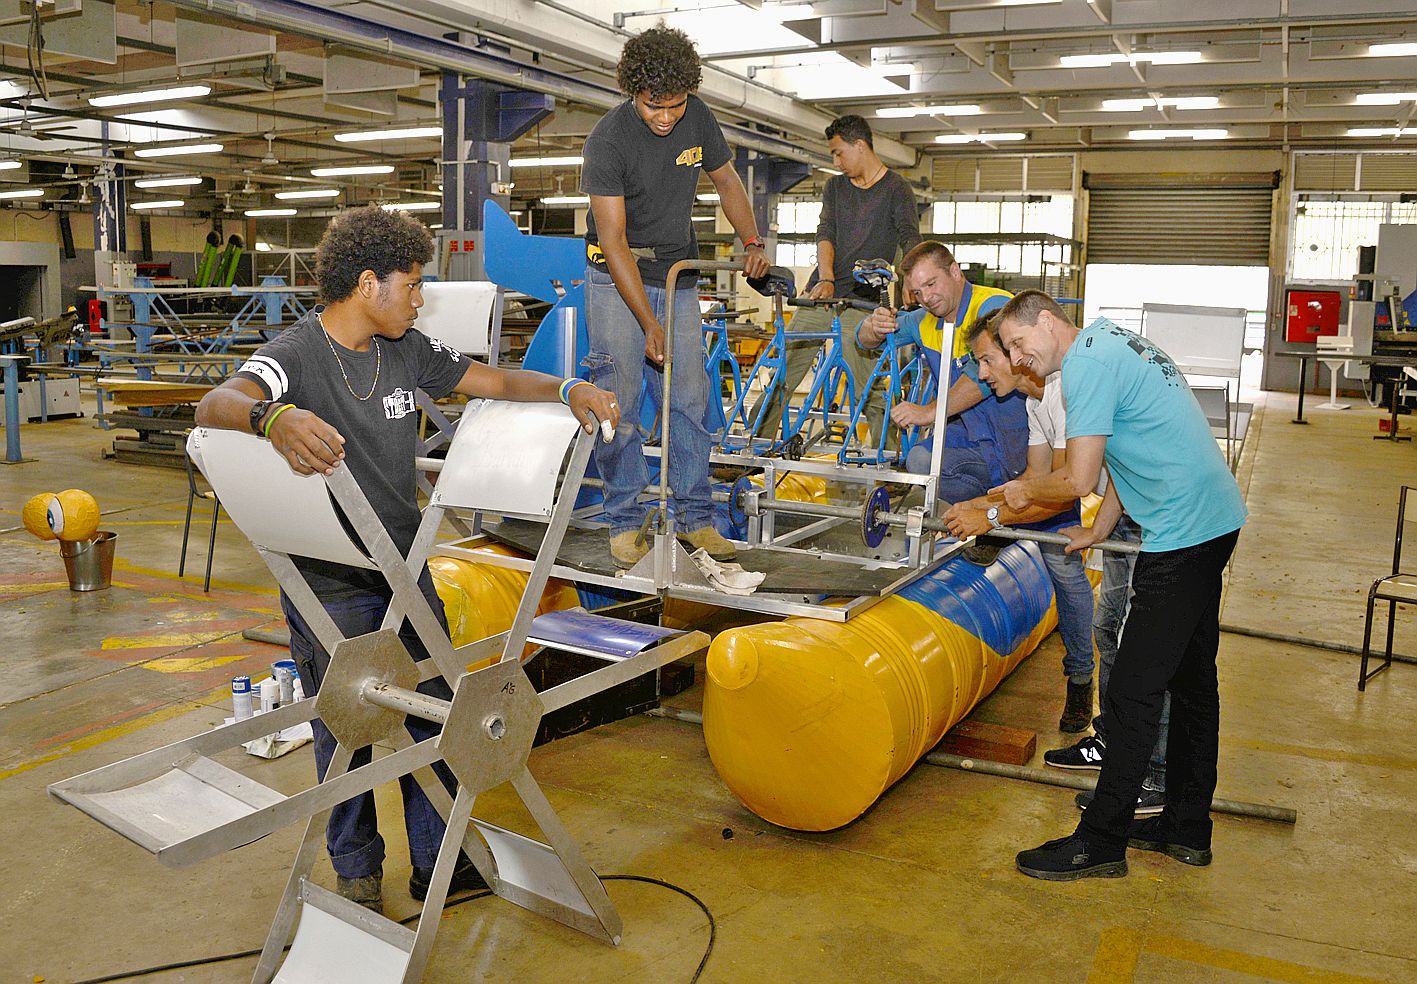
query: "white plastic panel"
1207, 341
459, 312
179, 804
532, 866
506, 457
275, 508
328, 950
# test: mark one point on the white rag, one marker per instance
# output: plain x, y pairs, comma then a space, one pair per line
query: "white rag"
729, 578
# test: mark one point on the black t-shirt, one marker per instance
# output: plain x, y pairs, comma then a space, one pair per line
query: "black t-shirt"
304, 366
865, 224
658, 178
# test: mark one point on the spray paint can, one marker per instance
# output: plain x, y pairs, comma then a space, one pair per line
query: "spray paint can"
284, 672
241, 697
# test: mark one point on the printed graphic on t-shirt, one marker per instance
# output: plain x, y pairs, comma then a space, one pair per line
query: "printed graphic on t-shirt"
445, 348
269, 371
1146, 350
692, 157
400, 403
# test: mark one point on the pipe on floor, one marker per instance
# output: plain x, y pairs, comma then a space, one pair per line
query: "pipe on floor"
1260, 811
276, 637
677, 714
1337, 647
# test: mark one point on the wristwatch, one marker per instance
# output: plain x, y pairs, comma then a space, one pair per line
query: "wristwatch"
993, 516
258, 410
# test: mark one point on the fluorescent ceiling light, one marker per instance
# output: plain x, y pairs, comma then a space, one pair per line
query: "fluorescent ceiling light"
964, 138
286, 196
710, 197
1135, 58
9, 89
168, 203
260, 213
262, 247
407, 133
828, 170
701, 218
905, 112
23, 193
208, 148
435, 225
335, 172
151, 95
411, 206
1393, 49
1381, 131
566, 200
1384, 98
1177, 102
1168, 133
10, 165
547, 161
167, 182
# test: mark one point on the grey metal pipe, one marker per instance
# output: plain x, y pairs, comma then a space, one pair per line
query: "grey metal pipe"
276, 637
1336, 647
677, 714
1260, 811
406, 701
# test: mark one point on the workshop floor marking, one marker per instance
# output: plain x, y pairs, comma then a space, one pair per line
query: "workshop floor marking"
1323, 754
1119, 950
127, 567
192, 664
172, 640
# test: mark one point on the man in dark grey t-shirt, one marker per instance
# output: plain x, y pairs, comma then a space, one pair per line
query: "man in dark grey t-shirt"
338, 386
642, 167
868, 212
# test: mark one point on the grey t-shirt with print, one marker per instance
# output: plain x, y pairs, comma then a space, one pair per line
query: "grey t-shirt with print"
305, 367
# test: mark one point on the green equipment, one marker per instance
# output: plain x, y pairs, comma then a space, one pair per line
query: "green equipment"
207, 266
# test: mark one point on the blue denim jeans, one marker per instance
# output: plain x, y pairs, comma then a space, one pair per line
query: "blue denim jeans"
617, 363
1113, 602
964, 474
1073, 593
352, 834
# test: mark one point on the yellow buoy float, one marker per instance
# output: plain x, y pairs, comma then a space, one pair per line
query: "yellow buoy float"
70, 515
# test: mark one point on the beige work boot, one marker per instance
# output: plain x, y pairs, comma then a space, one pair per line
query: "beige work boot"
711, 540
628, 548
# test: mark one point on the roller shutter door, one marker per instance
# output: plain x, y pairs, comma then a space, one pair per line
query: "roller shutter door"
1201, 226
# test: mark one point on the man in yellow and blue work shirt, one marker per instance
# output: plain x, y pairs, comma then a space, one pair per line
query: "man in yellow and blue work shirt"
988, 435
641, 171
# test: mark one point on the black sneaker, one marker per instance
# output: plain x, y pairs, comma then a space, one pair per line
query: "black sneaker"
1085, 753
1070, 858
466, 878
1148, 835
1150, 803
365, 890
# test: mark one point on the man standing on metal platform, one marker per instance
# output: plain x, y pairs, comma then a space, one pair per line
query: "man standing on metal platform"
1129, 405
642, 167
321, 394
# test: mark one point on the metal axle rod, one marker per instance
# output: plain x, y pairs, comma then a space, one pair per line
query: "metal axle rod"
404, 701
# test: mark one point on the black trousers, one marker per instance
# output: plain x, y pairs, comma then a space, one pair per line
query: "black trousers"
1169, 644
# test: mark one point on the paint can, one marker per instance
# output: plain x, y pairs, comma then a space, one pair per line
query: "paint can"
284, 672
241, 697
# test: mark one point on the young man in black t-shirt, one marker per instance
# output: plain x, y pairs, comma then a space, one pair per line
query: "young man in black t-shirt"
642, 166
338, 386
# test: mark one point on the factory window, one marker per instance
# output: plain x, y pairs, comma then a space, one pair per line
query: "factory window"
1050, 214
1327, 235
798, 217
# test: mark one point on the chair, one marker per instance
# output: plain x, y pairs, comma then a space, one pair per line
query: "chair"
194, 493
1396, 588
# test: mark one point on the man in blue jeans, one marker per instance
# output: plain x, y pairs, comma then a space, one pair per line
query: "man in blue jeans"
1072, 590
642, 166
1113, 600
1129, 405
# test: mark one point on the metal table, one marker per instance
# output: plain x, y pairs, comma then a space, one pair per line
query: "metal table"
1401, 361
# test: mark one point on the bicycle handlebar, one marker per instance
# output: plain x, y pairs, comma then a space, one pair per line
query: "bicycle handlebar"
843, 302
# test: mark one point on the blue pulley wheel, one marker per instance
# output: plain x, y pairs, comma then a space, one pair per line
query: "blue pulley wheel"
873, 525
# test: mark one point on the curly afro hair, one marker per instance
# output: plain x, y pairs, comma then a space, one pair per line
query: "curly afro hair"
661, 61
368, 238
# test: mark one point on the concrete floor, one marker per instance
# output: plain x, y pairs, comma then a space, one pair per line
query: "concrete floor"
922, 888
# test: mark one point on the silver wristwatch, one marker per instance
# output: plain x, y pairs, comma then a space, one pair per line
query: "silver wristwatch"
993, 516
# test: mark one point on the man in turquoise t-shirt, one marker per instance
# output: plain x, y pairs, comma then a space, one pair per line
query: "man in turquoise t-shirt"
1127, 403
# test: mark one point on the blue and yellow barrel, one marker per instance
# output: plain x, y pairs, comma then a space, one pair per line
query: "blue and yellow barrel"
808, 722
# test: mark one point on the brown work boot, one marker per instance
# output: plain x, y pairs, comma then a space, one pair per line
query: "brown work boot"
708, 538
366, 890
1077, 712
628, 548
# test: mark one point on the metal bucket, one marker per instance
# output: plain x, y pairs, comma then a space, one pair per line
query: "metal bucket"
89, 563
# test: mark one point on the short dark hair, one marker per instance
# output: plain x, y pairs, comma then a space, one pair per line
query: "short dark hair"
1025, 306
929, 249
850, 128
368, 238
661, 61
984, 324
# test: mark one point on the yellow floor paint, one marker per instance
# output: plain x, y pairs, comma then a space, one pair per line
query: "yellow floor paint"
119, 564
1119, 950
191, 664
41, 587
175, 640
1323, 754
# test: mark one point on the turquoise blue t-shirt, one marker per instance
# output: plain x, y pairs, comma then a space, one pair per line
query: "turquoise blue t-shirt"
1169, 471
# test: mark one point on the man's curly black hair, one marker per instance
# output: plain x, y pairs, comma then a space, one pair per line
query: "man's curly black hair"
368, 238
661, 61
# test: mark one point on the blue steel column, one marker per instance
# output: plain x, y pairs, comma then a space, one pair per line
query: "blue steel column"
766, 178
110, 207
480, 121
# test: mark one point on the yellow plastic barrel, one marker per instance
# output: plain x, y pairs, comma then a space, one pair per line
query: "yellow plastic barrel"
808, 722
481, 600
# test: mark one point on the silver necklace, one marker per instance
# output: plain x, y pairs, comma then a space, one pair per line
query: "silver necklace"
378, 362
